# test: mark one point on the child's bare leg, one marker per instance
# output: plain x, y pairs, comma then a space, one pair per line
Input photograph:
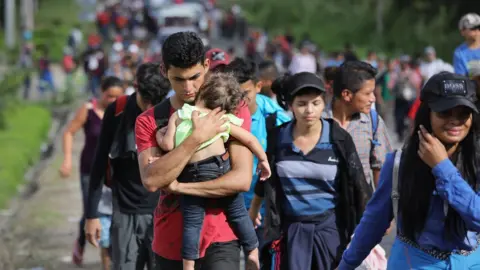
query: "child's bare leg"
105, 259
252, 261
188, 264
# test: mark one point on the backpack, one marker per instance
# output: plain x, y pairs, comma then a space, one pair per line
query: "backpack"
271, 122
119, 108
404, 89
161, 113
374, 119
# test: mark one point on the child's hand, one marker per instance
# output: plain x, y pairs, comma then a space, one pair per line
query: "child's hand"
162, 140
152, 159
263, 169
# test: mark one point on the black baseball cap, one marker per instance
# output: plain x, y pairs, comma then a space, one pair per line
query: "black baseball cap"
303, 80
446, 90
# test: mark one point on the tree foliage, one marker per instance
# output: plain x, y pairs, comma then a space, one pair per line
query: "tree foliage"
392, 26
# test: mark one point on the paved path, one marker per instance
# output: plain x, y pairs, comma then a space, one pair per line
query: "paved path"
42, 235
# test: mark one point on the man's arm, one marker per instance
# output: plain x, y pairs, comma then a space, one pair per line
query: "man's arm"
376, 176
100, 162
168, 167
255, 205
238, 179
235, 181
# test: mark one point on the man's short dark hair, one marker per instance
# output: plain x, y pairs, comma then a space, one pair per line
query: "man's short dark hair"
267, 70
351, 75
152, 86
183, 50
244, 70
330, 73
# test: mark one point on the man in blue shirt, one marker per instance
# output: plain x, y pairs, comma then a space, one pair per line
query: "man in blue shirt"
261, 107
467, 55
267, 73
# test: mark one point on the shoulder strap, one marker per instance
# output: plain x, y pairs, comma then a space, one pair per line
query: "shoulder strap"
395, 195
272, 139
271, 121
120, 105
161, 113
374, 119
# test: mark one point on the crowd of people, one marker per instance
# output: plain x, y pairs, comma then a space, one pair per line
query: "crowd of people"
169, 180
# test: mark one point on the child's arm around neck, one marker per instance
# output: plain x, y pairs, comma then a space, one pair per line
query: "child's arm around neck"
250, 141
166, 140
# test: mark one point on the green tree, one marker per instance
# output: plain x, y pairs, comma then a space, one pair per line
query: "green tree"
393, 26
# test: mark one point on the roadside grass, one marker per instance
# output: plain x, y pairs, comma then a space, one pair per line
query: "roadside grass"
20, 142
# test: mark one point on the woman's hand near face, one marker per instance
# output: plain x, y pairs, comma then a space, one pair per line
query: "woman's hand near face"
430, 149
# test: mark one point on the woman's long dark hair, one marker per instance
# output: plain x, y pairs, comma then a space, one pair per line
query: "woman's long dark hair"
417, 183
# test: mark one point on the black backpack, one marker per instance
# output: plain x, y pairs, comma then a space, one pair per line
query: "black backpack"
161, 112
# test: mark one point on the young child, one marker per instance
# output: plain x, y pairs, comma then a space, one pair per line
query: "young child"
211, 161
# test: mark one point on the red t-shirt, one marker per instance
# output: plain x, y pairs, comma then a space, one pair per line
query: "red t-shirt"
168, 221
103, 18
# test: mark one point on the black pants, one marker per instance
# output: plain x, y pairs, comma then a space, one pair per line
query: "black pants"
131, 241
219, 256
402, 107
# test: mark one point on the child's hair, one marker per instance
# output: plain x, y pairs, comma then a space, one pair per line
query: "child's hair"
221, 90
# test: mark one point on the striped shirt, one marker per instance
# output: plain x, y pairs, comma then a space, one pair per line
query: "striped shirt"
371, 155
308, 180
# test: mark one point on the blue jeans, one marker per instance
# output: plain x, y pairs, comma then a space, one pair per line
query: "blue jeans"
193, 208
46, 81
94, 85
404, 256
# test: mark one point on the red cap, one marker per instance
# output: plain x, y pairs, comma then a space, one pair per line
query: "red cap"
217, 57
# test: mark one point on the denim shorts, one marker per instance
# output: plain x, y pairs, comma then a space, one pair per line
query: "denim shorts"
106, 222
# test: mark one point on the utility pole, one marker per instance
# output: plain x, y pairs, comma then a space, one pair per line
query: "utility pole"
10, 29
379, 17
379, 21
28, 9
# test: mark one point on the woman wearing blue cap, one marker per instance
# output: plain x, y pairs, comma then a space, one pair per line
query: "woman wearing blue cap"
317, 192
432, 186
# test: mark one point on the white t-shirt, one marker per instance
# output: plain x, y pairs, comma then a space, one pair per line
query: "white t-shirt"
303, 63
436, 66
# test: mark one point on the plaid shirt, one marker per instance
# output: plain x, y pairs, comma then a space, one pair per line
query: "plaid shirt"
360, 128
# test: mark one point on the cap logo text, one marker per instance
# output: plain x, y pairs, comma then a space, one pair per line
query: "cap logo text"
454, 87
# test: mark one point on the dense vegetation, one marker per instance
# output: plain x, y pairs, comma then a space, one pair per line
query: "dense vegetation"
391, 26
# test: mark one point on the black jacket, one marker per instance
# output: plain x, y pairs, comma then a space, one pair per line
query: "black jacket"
353, 190
117, 143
